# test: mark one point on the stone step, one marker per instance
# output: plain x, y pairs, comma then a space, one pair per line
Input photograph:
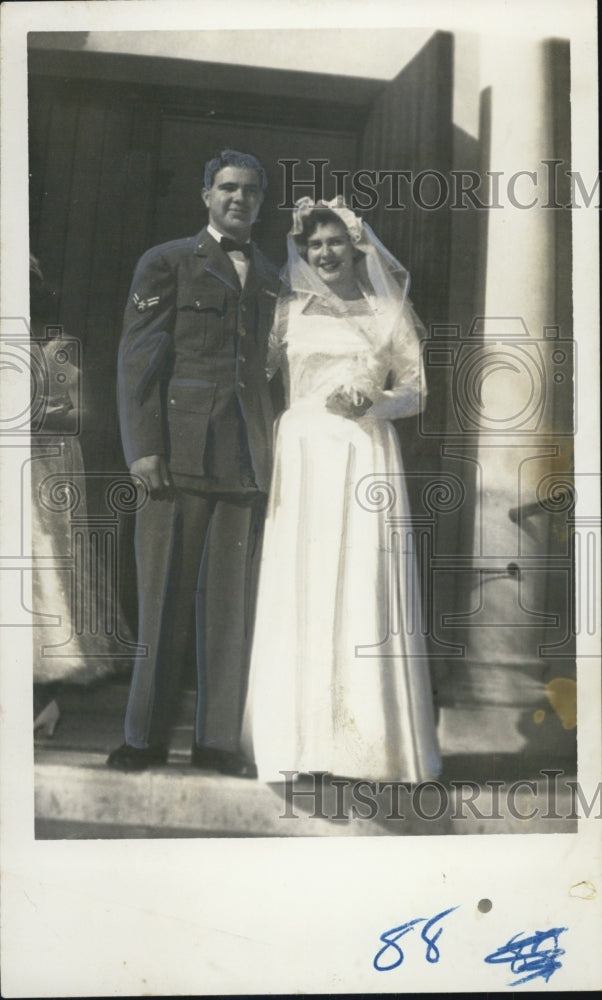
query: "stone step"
92, 719
77, 796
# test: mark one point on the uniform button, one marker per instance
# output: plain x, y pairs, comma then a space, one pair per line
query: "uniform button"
198, 303
242, 332
242, 385
172, 401
241, 359
243, 308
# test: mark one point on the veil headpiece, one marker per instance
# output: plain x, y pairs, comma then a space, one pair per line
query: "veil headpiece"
382, 280
379, 275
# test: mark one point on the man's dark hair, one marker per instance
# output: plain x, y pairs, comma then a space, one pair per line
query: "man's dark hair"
232, 158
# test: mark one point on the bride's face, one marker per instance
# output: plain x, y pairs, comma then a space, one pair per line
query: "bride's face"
330, 254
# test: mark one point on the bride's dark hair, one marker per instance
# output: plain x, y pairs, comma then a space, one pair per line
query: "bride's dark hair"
311, 221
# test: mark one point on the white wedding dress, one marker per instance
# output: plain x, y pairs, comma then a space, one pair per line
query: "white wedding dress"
339, 678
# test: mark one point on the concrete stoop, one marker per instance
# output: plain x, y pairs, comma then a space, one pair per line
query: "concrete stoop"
78, 797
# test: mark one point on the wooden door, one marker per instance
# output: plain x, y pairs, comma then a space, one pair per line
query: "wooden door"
187, 141
410, 129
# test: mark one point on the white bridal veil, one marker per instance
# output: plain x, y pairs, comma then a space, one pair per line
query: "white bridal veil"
383, 281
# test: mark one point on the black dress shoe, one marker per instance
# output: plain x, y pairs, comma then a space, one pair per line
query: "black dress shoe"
224, 761
127, 758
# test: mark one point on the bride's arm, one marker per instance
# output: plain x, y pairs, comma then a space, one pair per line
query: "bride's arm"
407, 395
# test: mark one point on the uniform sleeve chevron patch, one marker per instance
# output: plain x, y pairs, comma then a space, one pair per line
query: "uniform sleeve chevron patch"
143, 304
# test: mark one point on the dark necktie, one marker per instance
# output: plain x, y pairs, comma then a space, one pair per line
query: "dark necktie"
228, 245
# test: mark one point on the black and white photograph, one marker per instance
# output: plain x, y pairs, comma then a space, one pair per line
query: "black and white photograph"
301, 530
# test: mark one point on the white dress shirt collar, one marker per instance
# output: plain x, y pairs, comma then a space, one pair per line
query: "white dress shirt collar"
239, 261
218, 236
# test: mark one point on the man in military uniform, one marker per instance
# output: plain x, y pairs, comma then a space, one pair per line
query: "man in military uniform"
196, 422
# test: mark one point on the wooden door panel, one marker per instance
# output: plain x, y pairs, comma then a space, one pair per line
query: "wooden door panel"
187, 143
410, 128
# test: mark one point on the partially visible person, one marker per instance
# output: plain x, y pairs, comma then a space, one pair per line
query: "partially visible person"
63, 651
339, 677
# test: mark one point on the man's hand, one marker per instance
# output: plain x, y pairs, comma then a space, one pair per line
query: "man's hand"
152, 470
348, 403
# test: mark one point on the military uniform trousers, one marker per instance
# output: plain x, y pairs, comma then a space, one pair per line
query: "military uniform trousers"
183, 541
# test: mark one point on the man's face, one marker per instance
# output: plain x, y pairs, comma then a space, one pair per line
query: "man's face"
233, 201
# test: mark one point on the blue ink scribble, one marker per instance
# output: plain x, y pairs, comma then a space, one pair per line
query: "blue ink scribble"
528, 955
391, 937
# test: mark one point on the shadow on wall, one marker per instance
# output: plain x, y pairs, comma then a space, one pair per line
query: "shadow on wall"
74, 41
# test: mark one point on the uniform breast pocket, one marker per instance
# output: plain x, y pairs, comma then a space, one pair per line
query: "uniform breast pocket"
201, 319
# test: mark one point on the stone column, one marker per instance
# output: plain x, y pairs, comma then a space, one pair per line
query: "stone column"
512, 382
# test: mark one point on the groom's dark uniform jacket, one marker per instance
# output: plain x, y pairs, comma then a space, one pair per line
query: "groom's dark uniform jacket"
193, 388
192, 362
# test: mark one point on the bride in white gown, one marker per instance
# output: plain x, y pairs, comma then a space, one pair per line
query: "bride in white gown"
339, 678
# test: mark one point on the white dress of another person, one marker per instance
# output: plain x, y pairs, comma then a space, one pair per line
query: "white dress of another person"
339, 677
